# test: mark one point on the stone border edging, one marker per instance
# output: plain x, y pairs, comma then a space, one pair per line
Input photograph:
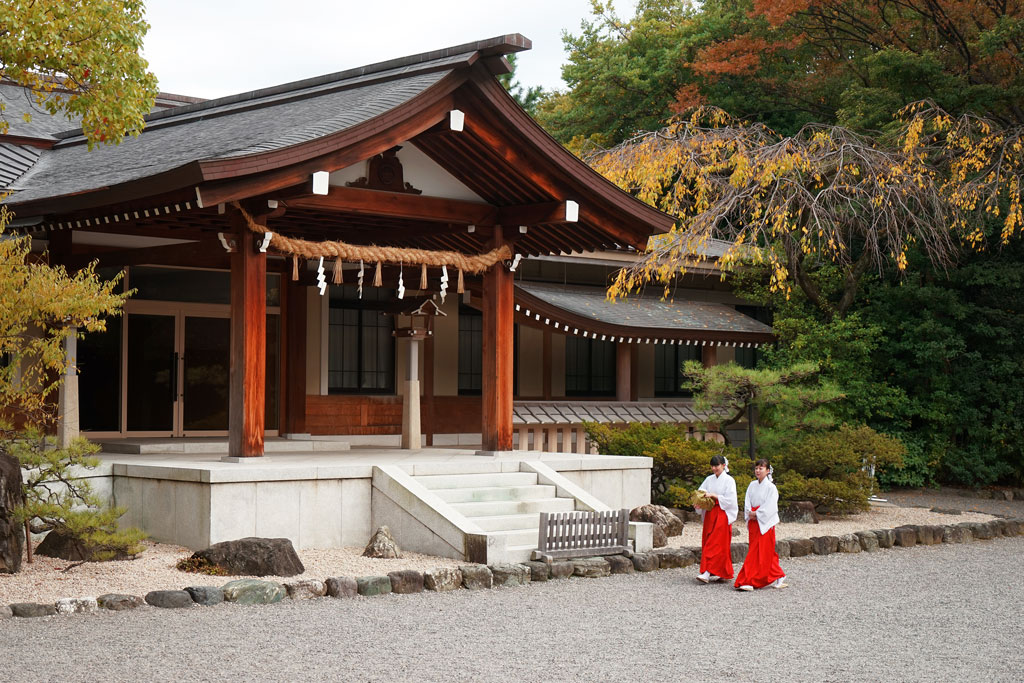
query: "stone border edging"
480, 577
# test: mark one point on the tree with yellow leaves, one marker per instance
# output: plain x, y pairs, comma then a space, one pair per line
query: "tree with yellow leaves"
824, 196
80, 58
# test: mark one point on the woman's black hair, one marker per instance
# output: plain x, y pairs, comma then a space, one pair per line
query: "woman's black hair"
764, 463
717, 460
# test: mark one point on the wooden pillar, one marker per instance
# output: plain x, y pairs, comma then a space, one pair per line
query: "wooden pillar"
247, 381
293, 350
624, 371
709, 355
428, 389
496, 385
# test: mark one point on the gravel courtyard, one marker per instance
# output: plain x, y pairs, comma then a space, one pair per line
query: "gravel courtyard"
924, 613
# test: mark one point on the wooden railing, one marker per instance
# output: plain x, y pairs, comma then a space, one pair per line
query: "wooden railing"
583, 534
572, 438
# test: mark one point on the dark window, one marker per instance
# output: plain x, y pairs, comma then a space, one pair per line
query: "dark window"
471, 340
668, 368
361, 346
471, 344
750, 357
589, 367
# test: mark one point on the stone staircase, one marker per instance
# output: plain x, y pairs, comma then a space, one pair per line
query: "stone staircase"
501, 504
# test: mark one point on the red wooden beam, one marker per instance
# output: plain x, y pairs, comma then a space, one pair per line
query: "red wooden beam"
247, 377
496, 384
293, 388
398, 205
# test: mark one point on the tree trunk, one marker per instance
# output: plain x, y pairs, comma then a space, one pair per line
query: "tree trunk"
12, 533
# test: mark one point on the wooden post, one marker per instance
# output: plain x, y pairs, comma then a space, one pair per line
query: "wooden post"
427, 408
293, 389
247, 381
709, 355
634, 375
496, 385
623, 371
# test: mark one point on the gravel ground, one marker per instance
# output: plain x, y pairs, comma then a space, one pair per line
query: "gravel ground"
948, 612
957, 499
46, 581
875, 518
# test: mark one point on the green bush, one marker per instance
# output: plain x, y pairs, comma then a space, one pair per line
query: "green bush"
828, 468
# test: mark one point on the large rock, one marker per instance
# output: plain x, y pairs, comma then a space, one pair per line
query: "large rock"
6, 612
672, 558
406, 581
373, 585
800, 547
76, 606
849, 543
253, 592
170, 599
646, 562
29, 610
539, 571
12, 533
658, 537
307, 589
207, 596
620, 564
906, 536
801, 512
476, 576
825, 545
65, 547
382, 545
118, 602
254, 557
661, 517
510, 574
782, 549
342, 587
926, 535
738, 552
591, 567
561, 569
868, 541
443, 579
886, 537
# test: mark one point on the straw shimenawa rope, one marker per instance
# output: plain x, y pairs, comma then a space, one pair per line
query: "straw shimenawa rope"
470, 263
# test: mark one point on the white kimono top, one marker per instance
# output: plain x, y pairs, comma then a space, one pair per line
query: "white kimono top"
765, 497
725, 487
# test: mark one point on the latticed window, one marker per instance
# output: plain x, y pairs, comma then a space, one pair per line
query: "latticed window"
471, 344
589, 367
361, 345
668, 368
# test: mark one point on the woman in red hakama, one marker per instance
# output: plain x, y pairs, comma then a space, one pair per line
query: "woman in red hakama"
716, 539
761, 510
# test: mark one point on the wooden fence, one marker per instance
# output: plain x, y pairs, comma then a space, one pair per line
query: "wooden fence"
583, 534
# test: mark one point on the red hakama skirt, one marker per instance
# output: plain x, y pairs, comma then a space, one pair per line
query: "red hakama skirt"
716, 543
761, 567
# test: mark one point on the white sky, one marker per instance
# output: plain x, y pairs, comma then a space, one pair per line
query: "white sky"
210, 48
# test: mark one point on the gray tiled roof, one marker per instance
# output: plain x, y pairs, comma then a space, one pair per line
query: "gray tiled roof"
644, 311
229, 127
15, 160
42, 126
607, 412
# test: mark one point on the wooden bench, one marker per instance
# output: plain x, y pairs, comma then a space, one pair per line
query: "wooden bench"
583, 534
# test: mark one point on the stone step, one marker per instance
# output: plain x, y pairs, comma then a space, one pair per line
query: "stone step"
520, 553
502, 522
515, 507
485, 493
206, 446
467, 481
518, 537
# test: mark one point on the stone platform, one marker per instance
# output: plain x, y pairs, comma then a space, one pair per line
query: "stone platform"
183, 493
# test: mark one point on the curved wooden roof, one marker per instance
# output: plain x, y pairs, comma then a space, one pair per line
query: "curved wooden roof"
267, 144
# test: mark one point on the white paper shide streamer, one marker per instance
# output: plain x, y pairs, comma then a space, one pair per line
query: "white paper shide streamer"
401, 284
444, 282
360, 278
321, 279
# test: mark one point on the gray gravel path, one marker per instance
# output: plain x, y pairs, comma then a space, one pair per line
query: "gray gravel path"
926, 613
952, 498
